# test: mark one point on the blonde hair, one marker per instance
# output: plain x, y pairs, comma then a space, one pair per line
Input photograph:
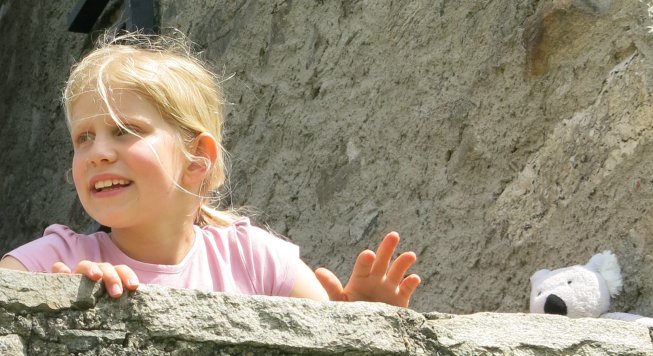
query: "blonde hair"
165, 70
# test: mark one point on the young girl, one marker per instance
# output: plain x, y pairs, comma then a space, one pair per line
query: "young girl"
145, 121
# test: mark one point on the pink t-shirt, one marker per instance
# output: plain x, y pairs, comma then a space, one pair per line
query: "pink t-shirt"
240, 258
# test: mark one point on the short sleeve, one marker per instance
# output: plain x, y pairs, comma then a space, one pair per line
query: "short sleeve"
58, 244
271, 263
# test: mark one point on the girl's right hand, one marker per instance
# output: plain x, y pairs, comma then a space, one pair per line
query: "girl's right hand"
115, 277
376, 277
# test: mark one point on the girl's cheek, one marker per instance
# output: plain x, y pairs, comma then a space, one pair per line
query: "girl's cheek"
76, 170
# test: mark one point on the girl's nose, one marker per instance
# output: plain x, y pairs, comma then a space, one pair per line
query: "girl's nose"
102, 152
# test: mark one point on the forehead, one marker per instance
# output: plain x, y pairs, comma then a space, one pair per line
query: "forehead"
124, 103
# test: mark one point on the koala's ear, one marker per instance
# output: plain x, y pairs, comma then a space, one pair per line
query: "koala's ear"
607, 265
539, 275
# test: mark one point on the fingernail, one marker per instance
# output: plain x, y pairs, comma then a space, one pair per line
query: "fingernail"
116, 290
132, 282
95, 271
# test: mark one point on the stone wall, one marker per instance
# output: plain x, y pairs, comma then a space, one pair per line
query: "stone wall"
497, 137
44, 314
36, 56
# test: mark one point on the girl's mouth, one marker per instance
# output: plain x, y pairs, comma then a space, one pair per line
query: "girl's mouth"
110, 184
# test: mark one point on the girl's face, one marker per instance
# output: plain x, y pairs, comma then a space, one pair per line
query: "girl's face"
122, 179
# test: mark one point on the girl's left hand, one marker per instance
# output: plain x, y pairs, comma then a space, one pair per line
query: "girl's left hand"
372, 280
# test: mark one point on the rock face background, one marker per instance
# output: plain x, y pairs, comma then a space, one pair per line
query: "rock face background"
497, 137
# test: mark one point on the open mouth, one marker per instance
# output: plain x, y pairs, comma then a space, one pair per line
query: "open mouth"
110, 184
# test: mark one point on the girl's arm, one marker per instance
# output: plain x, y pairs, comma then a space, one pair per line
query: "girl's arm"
307, 285
12, 263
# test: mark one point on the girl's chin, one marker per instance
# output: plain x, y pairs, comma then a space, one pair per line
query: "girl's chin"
115, 216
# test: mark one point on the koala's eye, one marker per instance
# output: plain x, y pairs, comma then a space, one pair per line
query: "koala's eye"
539, 293
569, 281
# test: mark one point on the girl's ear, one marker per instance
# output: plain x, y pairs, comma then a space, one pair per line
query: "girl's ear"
205, 148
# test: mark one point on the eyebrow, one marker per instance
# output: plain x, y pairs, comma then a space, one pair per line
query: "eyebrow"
109, 120
74, 123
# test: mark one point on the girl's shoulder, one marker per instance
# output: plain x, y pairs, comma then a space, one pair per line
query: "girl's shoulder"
59, 230
65, 240
242, 231
242, 227
65, 232
258, 259
60, 243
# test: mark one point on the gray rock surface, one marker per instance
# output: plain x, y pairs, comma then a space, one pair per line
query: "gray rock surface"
498, 137
45, 314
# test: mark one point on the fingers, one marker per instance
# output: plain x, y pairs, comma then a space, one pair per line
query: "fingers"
114, 277
60, 267
112, 281
331, 284
364, 263
89, 269
384, 253
400, 266
408, 286
128, 277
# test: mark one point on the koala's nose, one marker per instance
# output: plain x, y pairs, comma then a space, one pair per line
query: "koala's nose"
555, 305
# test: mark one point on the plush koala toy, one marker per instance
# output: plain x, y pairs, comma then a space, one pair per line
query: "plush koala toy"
581, 291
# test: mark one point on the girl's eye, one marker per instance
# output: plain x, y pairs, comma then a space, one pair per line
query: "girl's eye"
84, 137
127, 130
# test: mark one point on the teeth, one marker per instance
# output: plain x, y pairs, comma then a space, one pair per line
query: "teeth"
109, 183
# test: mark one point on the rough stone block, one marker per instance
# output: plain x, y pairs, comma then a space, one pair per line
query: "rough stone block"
72, 315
